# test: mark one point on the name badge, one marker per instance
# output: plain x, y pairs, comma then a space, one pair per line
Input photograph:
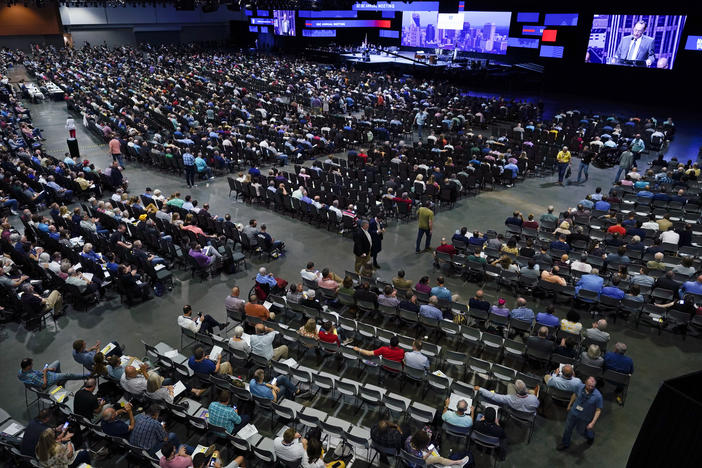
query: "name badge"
578, 408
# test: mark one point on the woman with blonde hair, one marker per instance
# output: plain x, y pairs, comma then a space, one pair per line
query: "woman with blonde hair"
53, 452
309, 329
592, 357
155, 390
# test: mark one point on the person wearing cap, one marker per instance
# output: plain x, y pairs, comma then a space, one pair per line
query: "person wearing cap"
500, 308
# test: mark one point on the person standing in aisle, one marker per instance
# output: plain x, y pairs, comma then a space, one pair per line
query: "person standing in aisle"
189, 163
71, 127
563, 162
425, 219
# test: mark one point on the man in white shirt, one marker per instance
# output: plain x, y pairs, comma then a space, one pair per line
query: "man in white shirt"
581, 265
290, 447
335, 209
310, 273
651, 224
670, 237
203, 323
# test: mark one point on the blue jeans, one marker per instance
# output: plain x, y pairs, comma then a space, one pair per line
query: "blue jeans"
419, 130
583, 168
562, 168
12, 203
207, 172
579, 424
420, 233
118, 157
619, 172
57, 376
82, 456
287, 388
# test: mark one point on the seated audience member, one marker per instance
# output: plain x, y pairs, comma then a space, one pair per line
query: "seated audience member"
52, 451
391, 353
31, 433
551, 276
134, 381
415, 359
201, 461
49, 376
262, 344
254, 308
461, 417
617, 361
38, 304
489, 425
409, 302
280, 387
204, 323
222, 414
547, 317
387, 434
541, 341
563, 379
522, 400
290, 447
571, 323
400, 282
389, 297
522, 312
237, 341
431, 310
149, 433
422, 285
115, 427
203, 365
84, 355
478, 302
500, 308
597, 332
418, 445
86, 403
592, 356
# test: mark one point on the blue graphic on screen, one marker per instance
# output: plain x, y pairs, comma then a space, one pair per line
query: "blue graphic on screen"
253, 29
533, 30
319, 33
262, 21
284, 22
327, 14
645, 41
483, 31
693, 43
263, 13
550, 51
527, 17
389, 33
561, 19
522, 42
388, 14
264, 29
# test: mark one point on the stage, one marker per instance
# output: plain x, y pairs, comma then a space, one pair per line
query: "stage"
405, 57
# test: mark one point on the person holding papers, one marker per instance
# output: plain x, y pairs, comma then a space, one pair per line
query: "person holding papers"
280, 387
207, 365
523, 400
460, 417
155, 389
204, 323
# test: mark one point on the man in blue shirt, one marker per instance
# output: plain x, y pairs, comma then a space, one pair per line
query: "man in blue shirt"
50, 375
618, 362
547, 318
560, 244
280, 387
189, 163
460, 417
602, 205
584, 410
691, 287
431, 310
591, 282
221, 414
564, 379
83, 355
441, 291
522, 312
613, 290
201, 166
203, 365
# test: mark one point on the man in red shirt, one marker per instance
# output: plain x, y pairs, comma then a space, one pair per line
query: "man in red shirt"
445, 247
391, 353
618, 228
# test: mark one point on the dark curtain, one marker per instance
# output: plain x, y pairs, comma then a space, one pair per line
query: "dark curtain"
672, 430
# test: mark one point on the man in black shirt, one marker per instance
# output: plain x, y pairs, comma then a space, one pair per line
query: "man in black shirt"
585, 159
489, 425
410, 303
33, 431
85, 403
118, 238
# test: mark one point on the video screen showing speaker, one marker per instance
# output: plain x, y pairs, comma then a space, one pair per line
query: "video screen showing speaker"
644, 41
284, 22
471, 31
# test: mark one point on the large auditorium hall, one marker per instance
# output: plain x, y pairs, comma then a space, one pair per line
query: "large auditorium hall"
349, 233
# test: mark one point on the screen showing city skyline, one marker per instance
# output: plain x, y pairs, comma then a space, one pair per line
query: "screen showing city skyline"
482, 31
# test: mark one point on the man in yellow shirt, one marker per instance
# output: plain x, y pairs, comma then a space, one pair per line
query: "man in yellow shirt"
426, 224
562, 161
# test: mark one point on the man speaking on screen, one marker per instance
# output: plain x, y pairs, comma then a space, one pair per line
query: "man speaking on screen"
636, 47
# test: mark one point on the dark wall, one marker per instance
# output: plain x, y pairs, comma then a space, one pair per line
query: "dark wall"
24, 42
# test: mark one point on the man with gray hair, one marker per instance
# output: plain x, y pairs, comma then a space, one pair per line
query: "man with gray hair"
618, 362
458, 417
563, 379
113, 426
597, 332
237, 340
523, 400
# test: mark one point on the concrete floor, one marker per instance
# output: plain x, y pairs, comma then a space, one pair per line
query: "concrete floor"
656, 357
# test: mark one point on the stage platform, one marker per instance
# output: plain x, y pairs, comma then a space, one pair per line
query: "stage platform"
403, 57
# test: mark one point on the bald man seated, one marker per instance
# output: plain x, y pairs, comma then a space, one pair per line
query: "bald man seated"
112, 425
